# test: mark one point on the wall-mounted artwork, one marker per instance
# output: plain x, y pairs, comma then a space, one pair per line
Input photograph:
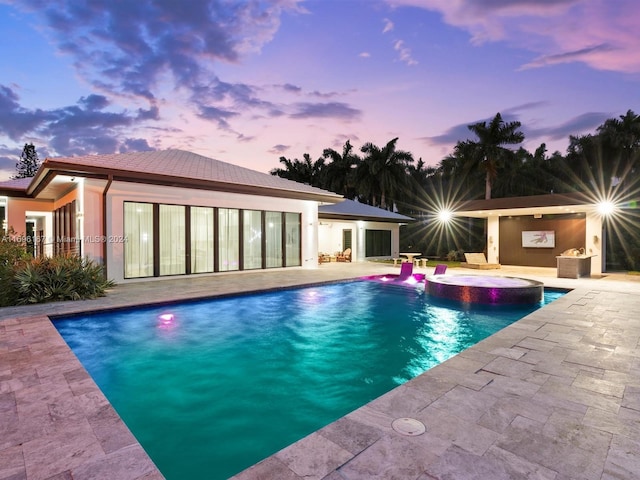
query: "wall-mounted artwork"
539, 239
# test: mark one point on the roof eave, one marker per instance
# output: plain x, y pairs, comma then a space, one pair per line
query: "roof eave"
352, 217
14, 192
52, 168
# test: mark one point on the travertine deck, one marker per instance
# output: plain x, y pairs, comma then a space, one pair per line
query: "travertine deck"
554, 396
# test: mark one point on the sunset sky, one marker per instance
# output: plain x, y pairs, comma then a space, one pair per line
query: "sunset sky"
248, 82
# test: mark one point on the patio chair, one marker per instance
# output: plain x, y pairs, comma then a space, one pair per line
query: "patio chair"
344, 256
441, 268
406, 270
479, 261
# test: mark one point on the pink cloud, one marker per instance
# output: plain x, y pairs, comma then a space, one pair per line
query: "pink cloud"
599, 33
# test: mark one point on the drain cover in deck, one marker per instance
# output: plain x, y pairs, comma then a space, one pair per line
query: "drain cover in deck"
408, 426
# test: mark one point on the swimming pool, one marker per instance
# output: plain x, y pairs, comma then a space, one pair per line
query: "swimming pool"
212, 387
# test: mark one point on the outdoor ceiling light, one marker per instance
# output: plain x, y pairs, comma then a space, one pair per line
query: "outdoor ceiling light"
606, 207
445, 215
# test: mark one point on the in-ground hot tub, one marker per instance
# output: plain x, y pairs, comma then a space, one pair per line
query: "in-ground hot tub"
484, 289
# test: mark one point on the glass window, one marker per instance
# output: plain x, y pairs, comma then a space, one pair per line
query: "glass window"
138, 245
377, 243
201, 239
292, 245
228, 239
252, 239
273, 239
172, 240
3, 215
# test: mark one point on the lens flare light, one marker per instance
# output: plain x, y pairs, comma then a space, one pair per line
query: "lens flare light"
606, 207
445, 215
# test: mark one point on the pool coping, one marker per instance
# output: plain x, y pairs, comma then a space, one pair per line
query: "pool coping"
569, 370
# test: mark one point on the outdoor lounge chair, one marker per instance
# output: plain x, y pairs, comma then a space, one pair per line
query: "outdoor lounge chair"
441, 268
406, 270
479, 261
344, 256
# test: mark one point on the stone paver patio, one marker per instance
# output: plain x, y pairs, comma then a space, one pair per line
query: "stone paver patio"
556, 395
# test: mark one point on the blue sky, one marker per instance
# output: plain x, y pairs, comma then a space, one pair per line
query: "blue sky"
248, 82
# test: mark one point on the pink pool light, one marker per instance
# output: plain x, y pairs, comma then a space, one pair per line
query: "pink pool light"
411, 280
166, 320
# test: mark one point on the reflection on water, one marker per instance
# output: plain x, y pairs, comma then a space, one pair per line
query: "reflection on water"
211, 387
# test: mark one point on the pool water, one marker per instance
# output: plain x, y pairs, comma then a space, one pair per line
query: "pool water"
211, 387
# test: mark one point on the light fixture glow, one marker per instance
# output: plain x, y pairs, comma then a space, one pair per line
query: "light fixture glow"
445, 215
167, 321
606, 207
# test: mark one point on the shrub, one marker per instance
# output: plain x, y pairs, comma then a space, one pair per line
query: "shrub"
455, 256
63, 277
13, 255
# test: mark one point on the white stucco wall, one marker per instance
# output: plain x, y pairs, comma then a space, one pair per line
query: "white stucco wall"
91, 210
330, 234
119, 192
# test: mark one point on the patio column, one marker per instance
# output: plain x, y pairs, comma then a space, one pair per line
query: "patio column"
594, 243
493, 239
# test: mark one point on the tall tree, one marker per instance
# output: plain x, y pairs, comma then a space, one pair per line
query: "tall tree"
305, 171
414, 200
384, 171
489, 149
457, 171
340, 172
621, 140
29, 162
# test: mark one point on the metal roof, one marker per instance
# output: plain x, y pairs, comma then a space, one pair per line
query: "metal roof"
177, 168
351, 210
15, 187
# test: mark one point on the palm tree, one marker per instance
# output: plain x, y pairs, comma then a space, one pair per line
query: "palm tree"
621, 139
383, 171
419, 175
306, 171
489, 150
456, 170
340, 172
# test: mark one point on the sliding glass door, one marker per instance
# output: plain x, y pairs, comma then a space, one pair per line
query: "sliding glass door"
176, 239
172, 240
202, 244
138, 245
273, 239
228, 239
252, 239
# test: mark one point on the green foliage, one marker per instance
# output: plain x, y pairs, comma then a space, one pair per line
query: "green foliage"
64, 277
13, 255
455, 256
29, 162
25, 280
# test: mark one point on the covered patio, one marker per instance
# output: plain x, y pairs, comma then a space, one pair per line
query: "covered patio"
532, 231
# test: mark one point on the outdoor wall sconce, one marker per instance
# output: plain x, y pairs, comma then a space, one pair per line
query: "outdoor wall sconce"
595, 239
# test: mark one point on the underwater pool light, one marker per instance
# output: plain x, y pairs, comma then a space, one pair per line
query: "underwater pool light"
166, 320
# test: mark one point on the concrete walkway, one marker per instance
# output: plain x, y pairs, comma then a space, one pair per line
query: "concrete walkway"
554, 396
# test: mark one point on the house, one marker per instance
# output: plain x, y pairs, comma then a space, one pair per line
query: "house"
160, 213
368, 231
